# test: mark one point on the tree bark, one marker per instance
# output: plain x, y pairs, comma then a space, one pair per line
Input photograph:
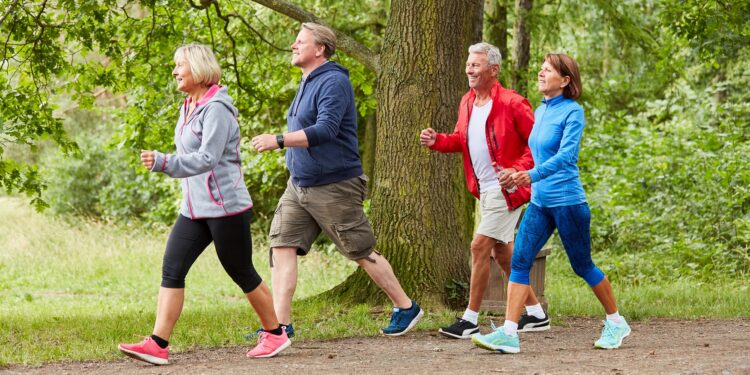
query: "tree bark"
422, 213
521, 41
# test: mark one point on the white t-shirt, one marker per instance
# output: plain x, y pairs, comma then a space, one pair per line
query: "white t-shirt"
479, 151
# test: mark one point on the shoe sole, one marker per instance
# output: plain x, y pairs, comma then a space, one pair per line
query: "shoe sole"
533, 328
275, 352
411, 325
454, 336
144, 357
496, 348
618, 344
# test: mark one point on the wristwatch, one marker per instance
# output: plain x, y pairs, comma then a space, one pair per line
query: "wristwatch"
280, 140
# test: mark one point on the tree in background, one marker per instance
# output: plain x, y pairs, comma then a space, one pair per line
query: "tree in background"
420, 209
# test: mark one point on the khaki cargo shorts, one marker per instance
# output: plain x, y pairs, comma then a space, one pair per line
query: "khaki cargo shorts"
335, 209
497, 222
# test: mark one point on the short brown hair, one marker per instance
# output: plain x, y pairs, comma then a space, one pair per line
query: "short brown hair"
567, 66
323, 36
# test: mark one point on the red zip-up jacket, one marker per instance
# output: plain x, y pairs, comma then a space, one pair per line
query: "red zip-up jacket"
508, 127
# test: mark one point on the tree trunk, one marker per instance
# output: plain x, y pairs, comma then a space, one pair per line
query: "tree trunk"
422, 213
369, 140
497, 31
521, 41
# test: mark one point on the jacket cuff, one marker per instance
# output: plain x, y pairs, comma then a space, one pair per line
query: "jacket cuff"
312, 136
438, 139
160, 162
534, 174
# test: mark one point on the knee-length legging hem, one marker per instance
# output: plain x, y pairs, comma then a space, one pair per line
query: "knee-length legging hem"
573, 224
234, 247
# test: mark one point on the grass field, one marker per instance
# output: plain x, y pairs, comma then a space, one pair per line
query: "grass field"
71, 290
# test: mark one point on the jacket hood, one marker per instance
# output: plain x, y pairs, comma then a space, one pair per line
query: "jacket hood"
215, 93
327, 67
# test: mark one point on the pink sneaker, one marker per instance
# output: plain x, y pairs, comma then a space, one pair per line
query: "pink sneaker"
147, 350
269, 345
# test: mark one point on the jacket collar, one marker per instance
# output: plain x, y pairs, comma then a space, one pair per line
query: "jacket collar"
494, 93
553, 101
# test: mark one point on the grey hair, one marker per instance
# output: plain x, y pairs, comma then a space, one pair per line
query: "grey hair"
493, 53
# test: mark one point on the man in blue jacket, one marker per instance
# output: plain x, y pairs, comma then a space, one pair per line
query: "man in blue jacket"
327, 186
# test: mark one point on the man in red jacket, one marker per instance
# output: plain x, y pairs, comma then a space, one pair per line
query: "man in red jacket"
491, 133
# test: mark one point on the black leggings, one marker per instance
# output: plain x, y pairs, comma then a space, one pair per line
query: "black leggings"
234, 246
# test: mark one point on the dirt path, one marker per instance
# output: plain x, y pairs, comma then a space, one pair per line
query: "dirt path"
656, 346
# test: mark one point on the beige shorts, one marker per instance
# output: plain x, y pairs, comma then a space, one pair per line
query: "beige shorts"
335, 209
496, 221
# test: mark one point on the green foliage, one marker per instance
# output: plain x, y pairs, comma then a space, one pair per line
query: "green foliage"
126, 48
102, 183
457, 293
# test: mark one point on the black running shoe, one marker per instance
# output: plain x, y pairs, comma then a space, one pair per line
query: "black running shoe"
530, 323
461, 329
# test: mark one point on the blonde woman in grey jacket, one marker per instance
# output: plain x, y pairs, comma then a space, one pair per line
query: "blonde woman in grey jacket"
216, 206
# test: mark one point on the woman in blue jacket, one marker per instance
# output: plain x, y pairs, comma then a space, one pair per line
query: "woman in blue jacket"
557, 202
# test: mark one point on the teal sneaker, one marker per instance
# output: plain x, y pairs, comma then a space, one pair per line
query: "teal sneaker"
497, 341
612, 335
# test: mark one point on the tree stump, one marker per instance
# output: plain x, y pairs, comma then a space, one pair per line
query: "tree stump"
496, 294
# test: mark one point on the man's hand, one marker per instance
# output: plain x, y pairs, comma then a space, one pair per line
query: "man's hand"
522, 178
147, 158
264, 142
427, 137
505, 177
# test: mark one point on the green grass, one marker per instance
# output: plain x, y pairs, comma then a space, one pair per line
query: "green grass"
72, 290
727, 296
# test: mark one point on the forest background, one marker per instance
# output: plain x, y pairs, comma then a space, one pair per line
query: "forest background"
87, 84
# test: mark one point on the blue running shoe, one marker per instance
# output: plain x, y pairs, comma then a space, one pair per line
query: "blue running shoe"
402, 320
252, 336
612, 335
497, 341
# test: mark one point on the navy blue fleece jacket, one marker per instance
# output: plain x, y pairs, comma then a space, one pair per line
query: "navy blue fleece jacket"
324, 108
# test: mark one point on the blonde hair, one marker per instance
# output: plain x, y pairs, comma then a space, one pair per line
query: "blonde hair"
323, 36
203, 64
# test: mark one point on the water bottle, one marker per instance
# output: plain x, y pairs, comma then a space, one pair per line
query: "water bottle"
500, 173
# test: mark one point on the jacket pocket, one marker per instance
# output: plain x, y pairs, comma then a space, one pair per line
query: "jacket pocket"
212, 188
303, 164
356, 236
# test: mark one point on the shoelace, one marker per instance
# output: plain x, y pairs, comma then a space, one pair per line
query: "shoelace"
609, 330
262, 338
396, 318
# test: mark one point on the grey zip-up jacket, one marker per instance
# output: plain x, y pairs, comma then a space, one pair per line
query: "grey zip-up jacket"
208, 158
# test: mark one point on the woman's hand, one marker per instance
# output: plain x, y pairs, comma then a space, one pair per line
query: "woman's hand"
521, 178
427, 137
505, 177
147, 158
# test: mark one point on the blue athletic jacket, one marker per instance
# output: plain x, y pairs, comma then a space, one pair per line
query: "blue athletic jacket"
554, 142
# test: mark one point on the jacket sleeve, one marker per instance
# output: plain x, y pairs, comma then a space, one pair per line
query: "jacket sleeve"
523, 120
334, 97
217, 122
446, 143
567, 154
